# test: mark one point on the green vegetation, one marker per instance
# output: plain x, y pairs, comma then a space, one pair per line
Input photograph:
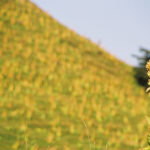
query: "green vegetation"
140, 71
148, 89
57, 88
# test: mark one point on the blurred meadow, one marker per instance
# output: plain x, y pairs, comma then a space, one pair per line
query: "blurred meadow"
60, 91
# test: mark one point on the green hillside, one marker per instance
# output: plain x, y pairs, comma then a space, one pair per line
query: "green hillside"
58, 88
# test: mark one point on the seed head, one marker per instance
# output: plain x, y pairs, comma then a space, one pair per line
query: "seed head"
148, 73
148, 66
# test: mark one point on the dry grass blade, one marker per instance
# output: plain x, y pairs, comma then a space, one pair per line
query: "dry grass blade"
87, 134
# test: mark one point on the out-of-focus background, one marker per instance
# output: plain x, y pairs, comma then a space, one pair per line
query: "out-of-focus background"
120, 26
60, 86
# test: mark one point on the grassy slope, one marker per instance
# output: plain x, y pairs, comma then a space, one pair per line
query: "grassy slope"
51, 80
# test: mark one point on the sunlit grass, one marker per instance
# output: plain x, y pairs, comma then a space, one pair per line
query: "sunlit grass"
51, 80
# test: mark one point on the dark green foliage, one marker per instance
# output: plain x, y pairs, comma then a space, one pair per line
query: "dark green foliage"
140, 71
148, 139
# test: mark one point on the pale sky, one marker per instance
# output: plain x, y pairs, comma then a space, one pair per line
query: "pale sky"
120, 26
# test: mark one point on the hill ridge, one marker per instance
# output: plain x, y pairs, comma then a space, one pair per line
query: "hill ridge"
52, 79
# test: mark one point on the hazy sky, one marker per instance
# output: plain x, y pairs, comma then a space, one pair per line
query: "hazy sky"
120, 26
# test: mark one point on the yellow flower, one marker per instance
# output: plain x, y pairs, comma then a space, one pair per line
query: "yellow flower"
148, 73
